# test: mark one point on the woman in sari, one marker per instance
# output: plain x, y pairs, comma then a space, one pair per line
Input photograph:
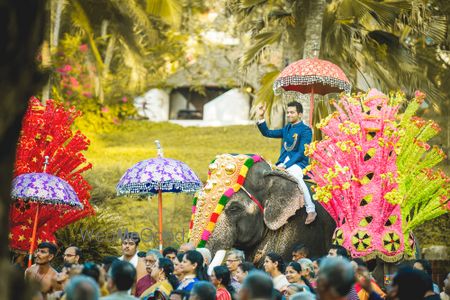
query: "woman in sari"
166, 282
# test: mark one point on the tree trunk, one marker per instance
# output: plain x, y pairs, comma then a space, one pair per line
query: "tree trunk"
57, 25
313, 38
22, 25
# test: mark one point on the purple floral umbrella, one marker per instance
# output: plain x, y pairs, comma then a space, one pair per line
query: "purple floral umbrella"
43, 188
157, 175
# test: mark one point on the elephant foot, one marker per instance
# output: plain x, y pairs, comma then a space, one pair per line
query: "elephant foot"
311, 217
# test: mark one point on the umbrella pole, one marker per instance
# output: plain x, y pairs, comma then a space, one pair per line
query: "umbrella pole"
311, 108
160, 220
33, 236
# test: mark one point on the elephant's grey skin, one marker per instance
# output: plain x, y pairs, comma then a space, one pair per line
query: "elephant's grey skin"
242, 225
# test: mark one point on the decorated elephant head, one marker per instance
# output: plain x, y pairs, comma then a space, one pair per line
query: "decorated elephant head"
242, 198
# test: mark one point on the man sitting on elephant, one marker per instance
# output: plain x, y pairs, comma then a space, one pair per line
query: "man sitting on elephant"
295, 136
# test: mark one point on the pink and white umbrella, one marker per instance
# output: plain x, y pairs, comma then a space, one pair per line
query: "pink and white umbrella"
312, 76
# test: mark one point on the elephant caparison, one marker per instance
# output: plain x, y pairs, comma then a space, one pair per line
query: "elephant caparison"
280, 227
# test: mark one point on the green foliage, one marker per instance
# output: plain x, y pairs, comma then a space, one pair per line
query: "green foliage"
425, 191
96, 236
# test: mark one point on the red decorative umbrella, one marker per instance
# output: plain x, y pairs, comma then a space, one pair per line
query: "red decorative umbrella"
312, 76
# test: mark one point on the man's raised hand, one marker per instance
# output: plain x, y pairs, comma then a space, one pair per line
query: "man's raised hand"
261, 111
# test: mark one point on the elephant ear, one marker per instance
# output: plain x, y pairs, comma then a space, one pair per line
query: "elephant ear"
284, 198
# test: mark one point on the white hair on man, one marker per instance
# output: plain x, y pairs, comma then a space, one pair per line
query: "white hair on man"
206, 255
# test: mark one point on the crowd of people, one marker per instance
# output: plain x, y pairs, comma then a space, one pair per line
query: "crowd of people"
189, 273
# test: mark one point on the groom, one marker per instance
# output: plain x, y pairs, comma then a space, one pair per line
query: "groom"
292, 158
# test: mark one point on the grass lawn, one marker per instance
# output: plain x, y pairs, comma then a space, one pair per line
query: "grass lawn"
113, 152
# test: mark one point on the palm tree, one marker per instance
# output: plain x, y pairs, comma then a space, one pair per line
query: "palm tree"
379, 39
124, 32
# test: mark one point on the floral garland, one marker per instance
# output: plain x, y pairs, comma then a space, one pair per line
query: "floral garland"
199, 234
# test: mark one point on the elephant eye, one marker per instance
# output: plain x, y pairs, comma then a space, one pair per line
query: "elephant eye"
234, 208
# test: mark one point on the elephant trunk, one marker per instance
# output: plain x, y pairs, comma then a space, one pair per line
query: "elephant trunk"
226, 238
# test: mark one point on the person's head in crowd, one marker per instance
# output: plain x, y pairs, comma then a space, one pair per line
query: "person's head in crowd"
72, 255
408, 284
192, 264
107, 262
274, 264
170, 253
206, 255
45, 253
307, 268
221, 277
177, 266
423, 265
203, 290
358, 262
62, 278
336, 278
337, 250
295, 288
233, 259
178, 295
130, 243
82, 287
141, 254
277, 295
300, 251
163, 270
242, 271
257, 285
186, 247
90, 269
316, 266
293, 272
121, 277
151, 258
303, 296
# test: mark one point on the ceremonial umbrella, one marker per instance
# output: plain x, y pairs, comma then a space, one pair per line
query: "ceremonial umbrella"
312, 76
157, 175
43, 188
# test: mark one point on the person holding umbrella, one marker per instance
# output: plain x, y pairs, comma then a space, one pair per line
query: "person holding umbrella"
294, 136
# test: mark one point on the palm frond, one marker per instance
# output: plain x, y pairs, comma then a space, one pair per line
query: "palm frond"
251, 3
95, 236
265, 94
83, 21
261, 41
168, 10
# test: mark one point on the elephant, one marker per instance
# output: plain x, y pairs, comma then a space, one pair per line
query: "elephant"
281, 224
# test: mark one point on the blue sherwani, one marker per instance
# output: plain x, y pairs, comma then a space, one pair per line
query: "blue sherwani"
300, 134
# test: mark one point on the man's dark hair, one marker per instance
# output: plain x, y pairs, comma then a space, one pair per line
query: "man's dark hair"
426, 266
246, 266
302, 249
132, 236
298, 106
276, 258
107, 262
77, 250
204, 290
169, 250
338, 275
258, 284
123, 275
340, 251
411, 284
52, 249
92, 270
